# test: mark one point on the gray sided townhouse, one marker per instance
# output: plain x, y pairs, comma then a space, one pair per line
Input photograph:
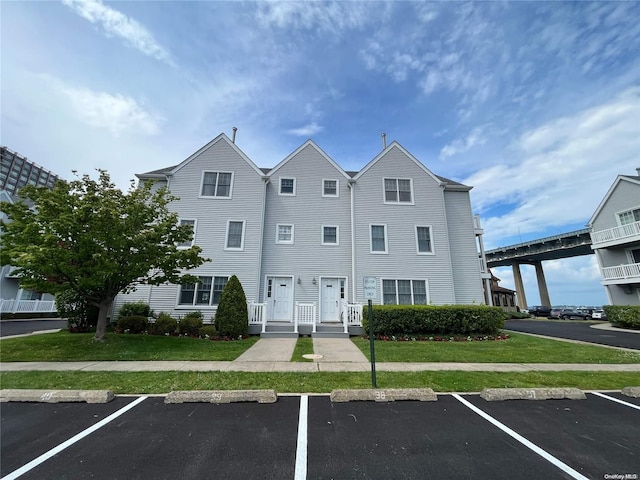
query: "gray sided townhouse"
615, 239
302, 236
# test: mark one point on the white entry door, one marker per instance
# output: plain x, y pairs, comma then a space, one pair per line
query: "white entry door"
331, 294
282, 304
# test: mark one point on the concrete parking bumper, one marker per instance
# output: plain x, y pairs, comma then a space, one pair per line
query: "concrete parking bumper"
631, 392
498, 394
221, 396
383, 395
56, 396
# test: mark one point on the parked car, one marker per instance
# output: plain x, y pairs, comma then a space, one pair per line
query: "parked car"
539, 311
569, 314
599, 315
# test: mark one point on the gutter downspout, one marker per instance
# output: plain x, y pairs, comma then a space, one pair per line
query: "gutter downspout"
352, 185
265, 180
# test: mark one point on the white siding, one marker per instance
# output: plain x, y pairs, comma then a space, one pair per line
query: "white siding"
306, 258
625, 196
464, 253
402, 260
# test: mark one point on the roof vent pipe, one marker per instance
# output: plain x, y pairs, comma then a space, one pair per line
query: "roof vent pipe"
384, 141
233, 137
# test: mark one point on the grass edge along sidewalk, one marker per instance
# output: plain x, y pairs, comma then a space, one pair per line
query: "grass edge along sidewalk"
519, 348
318, 382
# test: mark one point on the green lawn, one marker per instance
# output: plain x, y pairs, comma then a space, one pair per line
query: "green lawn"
304, 346
517, 349
70, 347
320, 382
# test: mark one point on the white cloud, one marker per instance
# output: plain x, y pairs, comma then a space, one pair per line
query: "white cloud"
561, 170
474, 138
116, 113
306, 131
116, 23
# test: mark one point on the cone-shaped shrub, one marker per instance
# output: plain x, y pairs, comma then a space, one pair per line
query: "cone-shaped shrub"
232, 318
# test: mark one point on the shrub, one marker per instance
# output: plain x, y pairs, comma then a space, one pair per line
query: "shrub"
623, 316
80, 315
190, 324
208, 331
428, 319
165, 324
133, 324
138, 309
232, 315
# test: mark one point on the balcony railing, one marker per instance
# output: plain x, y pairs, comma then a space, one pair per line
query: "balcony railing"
27, 306
616, 233
306, 314
629, 271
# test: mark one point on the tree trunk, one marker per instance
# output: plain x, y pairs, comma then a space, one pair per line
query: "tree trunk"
101, 326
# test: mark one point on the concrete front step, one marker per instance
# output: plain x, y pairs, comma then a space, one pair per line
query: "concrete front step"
330, 335
279, 335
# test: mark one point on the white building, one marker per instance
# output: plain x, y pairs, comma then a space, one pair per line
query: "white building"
302, 236
615, 236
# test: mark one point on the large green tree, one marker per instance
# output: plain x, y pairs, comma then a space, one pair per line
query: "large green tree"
89, 237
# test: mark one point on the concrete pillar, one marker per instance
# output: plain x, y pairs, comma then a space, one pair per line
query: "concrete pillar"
517, 278
542, 285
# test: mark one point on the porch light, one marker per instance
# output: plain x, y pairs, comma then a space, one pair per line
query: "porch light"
299, 281
314, 280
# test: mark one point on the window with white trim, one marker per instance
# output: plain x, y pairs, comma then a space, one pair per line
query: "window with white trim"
330, 188
192, 224
287, 186
378, 238
284, 233
216, 184
398, 190
235, 235
630, 216
404, 292
330, 235
424, 240
206, 292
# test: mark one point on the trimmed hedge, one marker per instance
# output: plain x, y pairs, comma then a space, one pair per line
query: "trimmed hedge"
133, 324
623, 316
135, 309
429, 319
191, 324
165, 325
232, 316
209, 331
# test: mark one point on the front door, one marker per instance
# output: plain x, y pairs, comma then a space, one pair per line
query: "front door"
281, 299
331, 294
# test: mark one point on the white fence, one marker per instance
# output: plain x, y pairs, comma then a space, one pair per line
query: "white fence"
616, 233
27, 306
306, 314
622, 272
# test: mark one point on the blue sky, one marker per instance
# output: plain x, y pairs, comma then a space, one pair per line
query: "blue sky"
534, 104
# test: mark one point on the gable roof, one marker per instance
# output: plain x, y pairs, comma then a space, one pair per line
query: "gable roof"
442, 181
313, 145
620, 178
168, 171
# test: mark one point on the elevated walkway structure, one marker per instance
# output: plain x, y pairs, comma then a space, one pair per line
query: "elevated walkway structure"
534, 252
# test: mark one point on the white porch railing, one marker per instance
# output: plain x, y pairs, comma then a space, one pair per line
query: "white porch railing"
305, 314
616, 233
353, 315
622, 272
27, 306
258, 314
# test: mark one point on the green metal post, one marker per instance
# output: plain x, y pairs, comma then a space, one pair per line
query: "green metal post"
373, 350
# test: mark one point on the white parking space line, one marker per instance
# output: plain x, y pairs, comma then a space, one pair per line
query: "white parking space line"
544, 454
54, 451
616, 400
301, 451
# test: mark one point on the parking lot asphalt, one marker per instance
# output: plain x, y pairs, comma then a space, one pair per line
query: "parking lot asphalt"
300, 437
20, 327
576, 330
